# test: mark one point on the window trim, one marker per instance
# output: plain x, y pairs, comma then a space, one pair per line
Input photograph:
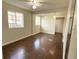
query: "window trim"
15, 22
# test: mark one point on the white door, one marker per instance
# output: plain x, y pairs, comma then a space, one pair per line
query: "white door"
59, 25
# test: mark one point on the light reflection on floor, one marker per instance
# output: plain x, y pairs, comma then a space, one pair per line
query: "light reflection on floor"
51, 52
19, 55
37, 44
44, 49
50, 40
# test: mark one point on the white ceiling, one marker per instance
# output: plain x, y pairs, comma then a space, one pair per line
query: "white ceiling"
51, 5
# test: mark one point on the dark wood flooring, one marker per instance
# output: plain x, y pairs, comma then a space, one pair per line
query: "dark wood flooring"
39, 46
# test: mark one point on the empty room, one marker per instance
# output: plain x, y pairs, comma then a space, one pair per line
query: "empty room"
39, 29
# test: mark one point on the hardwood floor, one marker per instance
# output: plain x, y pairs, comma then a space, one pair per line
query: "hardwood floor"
39, 46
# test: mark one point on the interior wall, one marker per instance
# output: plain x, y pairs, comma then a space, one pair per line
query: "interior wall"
71, 17
50, 27
73, 43
48, 24
36, 28
66, 27
10, 35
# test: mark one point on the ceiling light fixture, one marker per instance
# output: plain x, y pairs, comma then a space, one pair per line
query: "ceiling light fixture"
34, 7
34, 1
34, 4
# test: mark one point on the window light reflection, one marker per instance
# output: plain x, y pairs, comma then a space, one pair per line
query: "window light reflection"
37, 44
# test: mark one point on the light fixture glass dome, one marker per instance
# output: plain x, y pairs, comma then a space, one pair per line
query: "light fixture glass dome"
34, 7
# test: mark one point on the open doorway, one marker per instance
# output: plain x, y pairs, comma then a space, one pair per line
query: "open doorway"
59, 25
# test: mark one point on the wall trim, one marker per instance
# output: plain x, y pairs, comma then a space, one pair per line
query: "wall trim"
18, 39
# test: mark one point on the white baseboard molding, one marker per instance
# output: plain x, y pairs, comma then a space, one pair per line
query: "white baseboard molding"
18, 39
48, 33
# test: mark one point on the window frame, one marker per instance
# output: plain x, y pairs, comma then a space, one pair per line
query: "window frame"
20, 23
37, 20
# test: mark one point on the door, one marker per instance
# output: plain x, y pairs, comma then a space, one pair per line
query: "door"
59, 25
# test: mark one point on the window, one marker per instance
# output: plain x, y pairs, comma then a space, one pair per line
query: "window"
37, 20
15, 19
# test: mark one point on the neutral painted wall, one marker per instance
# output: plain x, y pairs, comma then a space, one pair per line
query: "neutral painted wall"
66, 26
36, 28
10, 35
73, 43
48, 24
54, 25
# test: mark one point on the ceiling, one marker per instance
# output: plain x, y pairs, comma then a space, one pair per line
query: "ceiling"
51, 5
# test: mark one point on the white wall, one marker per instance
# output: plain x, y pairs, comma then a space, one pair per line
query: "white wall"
48, 24
51, 25
65, 28
11, 35
73, 43
36, 28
